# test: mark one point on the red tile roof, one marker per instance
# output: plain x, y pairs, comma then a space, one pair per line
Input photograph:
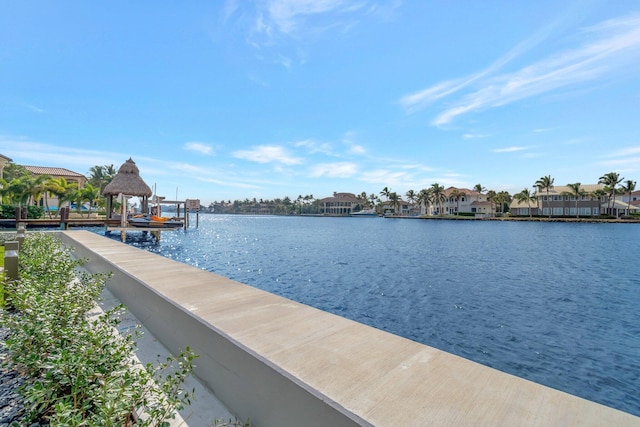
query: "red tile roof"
44, 170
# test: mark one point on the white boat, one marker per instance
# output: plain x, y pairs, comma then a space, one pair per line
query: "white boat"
365, 212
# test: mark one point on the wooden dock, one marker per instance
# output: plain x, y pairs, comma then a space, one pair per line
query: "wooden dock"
155, 232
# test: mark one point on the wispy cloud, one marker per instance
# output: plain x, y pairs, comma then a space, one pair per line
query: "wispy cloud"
611, 47
33, 108
475, 135
334, 170
630, 151
267, 154
314, 147
289, 16
509, 149
199, 147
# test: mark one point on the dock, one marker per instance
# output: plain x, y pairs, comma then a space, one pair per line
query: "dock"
156, 232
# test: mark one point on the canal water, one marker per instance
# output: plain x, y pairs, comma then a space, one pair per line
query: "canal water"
555, 303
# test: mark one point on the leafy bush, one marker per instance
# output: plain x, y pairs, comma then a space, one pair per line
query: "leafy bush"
9, 212
81, 372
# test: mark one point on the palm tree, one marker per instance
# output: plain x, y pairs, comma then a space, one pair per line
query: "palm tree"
89, 193
411, 197
525, 196
62, 189
373, 198
575, 192
503, 198
545, 183
610, 181
438, 196
395, 201
100, 176
38, 188
629, 187
386, 193
478, 188
424, 198
491, 197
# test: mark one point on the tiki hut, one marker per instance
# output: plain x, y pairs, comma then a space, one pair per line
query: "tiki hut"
127, 182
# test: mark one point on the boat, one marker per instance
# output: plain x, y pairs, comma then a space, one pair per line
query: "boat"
365, 212
154, 221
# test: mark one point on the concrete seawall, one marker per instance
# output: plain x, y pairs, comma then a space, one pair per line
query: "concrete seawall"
281, 363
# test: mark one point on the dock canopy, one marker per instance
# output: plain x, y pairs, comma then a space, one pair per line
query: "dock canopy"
129, 183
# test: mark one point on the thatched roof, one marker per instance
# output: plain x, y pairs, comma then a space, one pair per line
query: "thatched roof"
127, 181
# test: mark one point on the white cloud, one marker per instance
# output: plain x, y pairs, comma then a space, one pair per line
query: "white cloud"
199, 147
314, 147
267, 154
334, 170
357, 149
612, 47
625, 152
474, 135
509, 149
289, 15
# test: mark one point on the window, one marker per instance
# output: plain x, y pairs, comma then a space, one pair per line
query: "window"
557, 198
596, 211
573, 211
545, 211
524, 211
557, 211
585, 211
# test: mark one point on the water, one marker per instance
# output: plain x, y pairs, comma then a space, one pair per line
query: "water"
555, 303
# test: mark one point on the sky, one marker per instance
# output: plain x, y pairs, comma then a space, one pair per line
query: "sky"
240, 99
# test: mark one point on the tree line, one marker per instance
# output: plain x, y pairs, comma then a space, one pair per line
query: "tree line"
20, 188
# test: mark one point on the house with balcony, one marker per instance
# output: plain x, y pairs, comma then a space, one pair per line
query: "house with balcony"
461, 200
340, 204
559, 201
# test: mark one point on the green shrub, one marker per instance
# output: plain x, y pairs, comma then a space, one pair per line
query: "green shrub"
9, 212
81, 372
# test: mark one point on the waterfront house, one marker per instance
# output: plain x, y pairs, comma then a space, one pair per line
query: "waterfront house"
461, 200
56, 173
339, 204
559, 201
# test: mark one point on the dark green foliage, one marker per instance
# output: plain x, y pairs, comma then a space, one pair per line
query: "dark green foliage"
9, 212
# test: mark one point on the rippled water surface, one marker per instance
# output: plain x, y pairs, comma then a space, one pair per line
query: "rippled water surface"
554, 303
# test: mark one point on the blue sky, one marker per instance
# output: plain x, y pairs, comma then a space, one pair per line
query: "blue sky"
241, 99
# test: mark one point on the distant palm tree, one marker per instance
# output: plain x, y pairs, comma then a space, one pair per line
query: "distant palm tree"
395, 202
385, 192
491, 198
629, 187
525, 196
424, 198
610, 181
438, 196
575, 192
100, 176
373, 198
546, 183
411, 197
